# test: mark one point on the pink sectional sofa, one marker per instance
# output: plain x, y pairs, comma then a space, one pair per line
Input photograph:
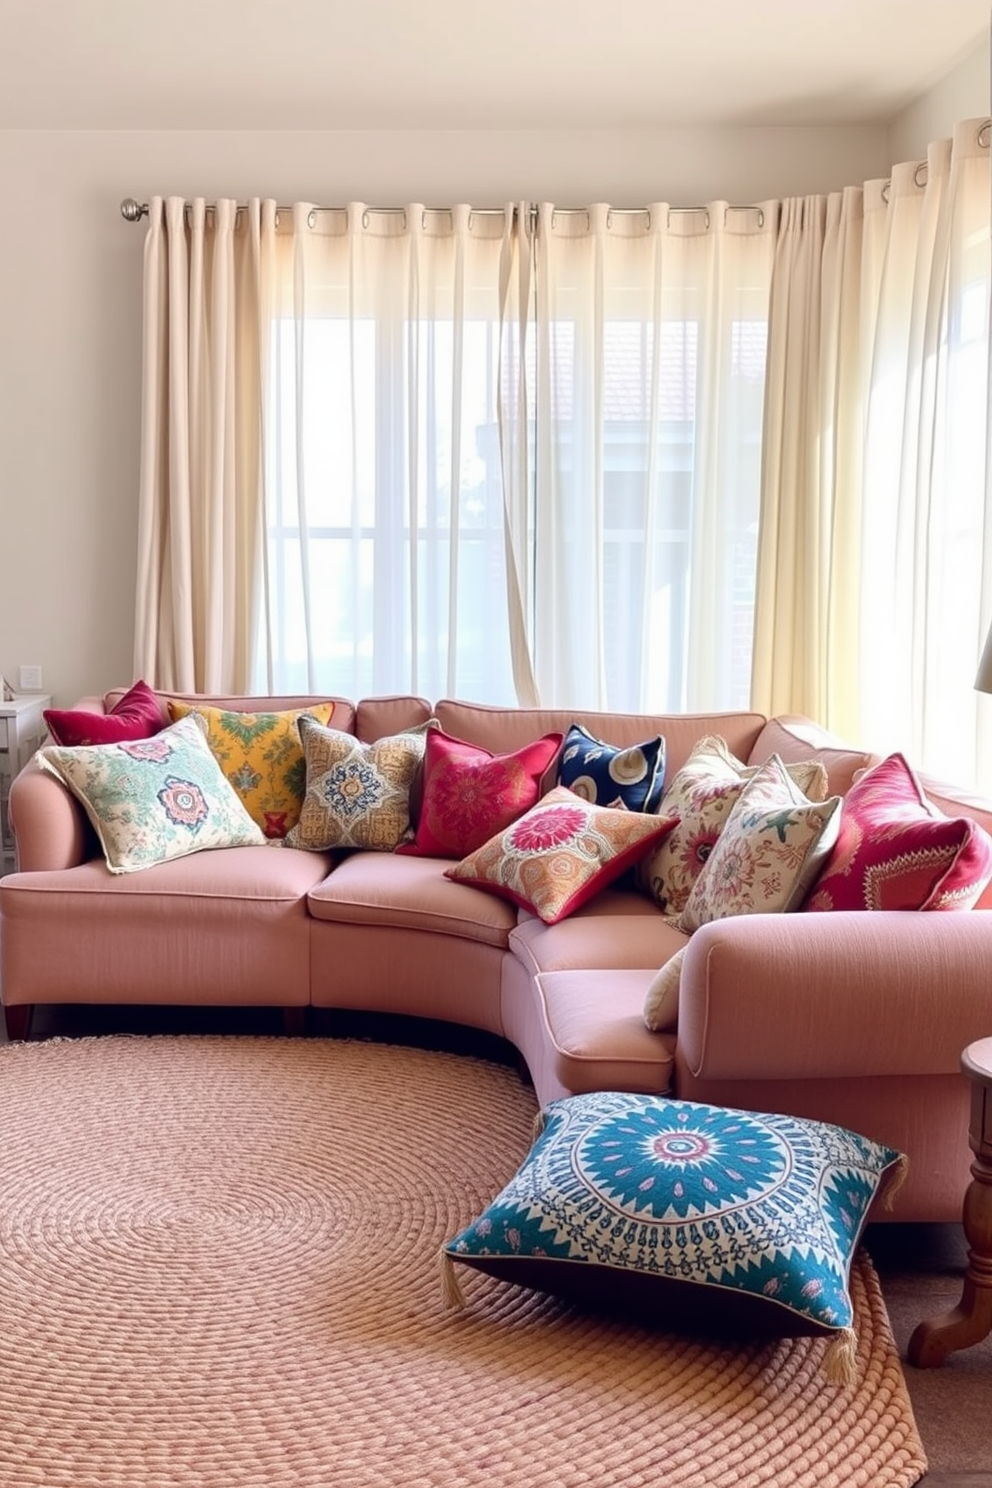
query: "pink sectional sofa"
856, 1018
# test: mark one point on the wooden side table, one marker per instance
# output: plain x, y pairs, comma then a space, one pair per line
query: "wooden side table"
971, 1320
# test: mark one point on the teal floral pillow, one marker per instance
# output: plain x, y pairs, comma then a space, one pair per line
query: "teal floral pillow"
688, 1214
154, 799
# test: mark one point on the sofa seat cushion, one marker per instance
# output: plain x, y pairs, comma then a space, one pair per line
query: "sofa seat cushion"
617, 929
372, 888
223, 927
266, 872
594, 1023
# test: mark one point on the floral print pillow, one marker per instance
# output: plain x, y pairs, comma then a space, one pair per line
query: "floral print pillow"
768, 855
151, 800
702, 795
560, 853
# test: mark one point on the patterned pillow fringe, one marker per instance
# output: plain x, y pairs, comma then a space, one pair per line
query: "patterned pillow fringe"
451, 1291
840, 1360
896, 1179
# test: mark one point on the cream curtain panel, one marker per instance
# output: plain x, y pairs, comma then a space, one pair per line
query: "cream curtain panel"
200, 496
874, 581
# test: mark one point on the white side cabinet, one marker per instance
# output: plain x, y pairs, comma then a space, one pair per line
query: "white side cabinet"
22, 730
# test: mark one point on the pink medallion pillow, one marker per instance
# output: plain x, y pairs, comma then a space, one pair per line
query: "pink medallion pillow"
560, 853
895, 850
138, 715
469, 794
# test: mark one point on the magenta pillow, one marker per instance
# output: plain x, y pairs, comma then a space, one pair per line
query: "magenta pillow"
138, 715
895, 850
469, 794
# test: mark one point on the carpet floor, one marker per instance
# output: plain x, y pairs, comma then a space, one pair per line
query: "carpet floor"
220, 1266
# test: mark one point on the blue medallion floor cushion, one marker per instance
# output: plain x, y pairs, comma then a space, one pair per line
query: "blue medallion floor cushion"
689, 1216
152, 800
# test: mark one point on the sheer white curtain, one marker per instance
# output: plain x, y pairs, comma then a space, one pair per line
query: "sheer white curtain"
875, 565
648, 378
199, 515
387, 538
927, 518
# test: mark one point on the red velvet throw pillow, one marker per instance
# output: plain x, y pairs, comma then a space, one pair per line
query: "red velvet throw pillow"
470, 794
895, 850
138, 715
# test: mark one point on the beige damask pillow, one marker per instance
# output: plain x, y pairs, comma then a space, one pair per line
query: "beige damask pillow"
357, 794
702, 795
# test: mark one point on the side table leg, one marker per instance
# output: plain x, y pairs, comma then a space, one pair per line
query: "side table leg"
971, 1320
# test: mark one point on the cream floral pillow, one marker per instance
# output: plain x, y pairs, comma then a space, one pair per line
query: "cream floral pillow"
768, 855
702, 795
661, 1002
151, 800
357, 795
764, 861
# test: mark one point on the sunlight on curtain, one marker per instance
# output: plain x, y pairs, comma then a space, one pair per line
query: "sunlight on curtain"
386, 554
875, 565
927, 521
806, 618
648, 376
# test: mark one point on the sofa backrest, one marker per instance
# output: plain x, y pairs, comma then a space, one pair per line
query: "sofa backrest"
794, 738
503, 729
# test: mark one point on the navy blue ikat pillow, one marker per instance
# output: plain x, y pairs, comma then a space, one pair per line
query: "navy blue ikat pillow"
632, 777
687, 1215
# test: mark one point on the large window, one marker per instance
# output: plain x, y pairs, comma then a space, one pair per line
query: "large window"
389, 494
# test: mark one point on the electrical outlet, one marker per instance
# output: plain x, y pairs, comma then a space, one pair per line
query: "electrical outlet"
29, 678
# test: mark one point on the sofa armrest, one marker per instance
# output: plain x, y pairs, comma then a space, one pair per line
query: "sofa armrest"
846, 994
49, 825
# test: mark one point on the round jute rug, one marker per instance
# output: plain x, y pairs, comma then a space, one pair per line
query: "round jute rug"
220, 1270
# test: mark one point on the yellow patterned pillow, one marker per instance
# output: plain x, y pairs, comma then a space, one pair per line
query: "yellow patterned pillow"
262, 757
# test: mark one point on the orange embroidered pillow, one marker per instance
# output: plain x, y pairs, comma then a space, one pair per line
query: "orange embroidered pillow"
895, 850
560, 853
469, 794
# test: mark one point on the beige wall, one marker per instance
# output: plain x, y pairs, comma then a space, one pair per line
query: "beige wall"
70, 309
963, 94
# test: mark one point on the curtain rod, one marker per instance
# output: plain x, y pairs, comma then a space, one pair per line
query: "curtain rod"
133, 211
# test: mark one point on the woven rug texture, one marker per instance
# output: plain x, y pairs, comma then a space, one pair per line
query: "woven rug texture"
220, 1267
